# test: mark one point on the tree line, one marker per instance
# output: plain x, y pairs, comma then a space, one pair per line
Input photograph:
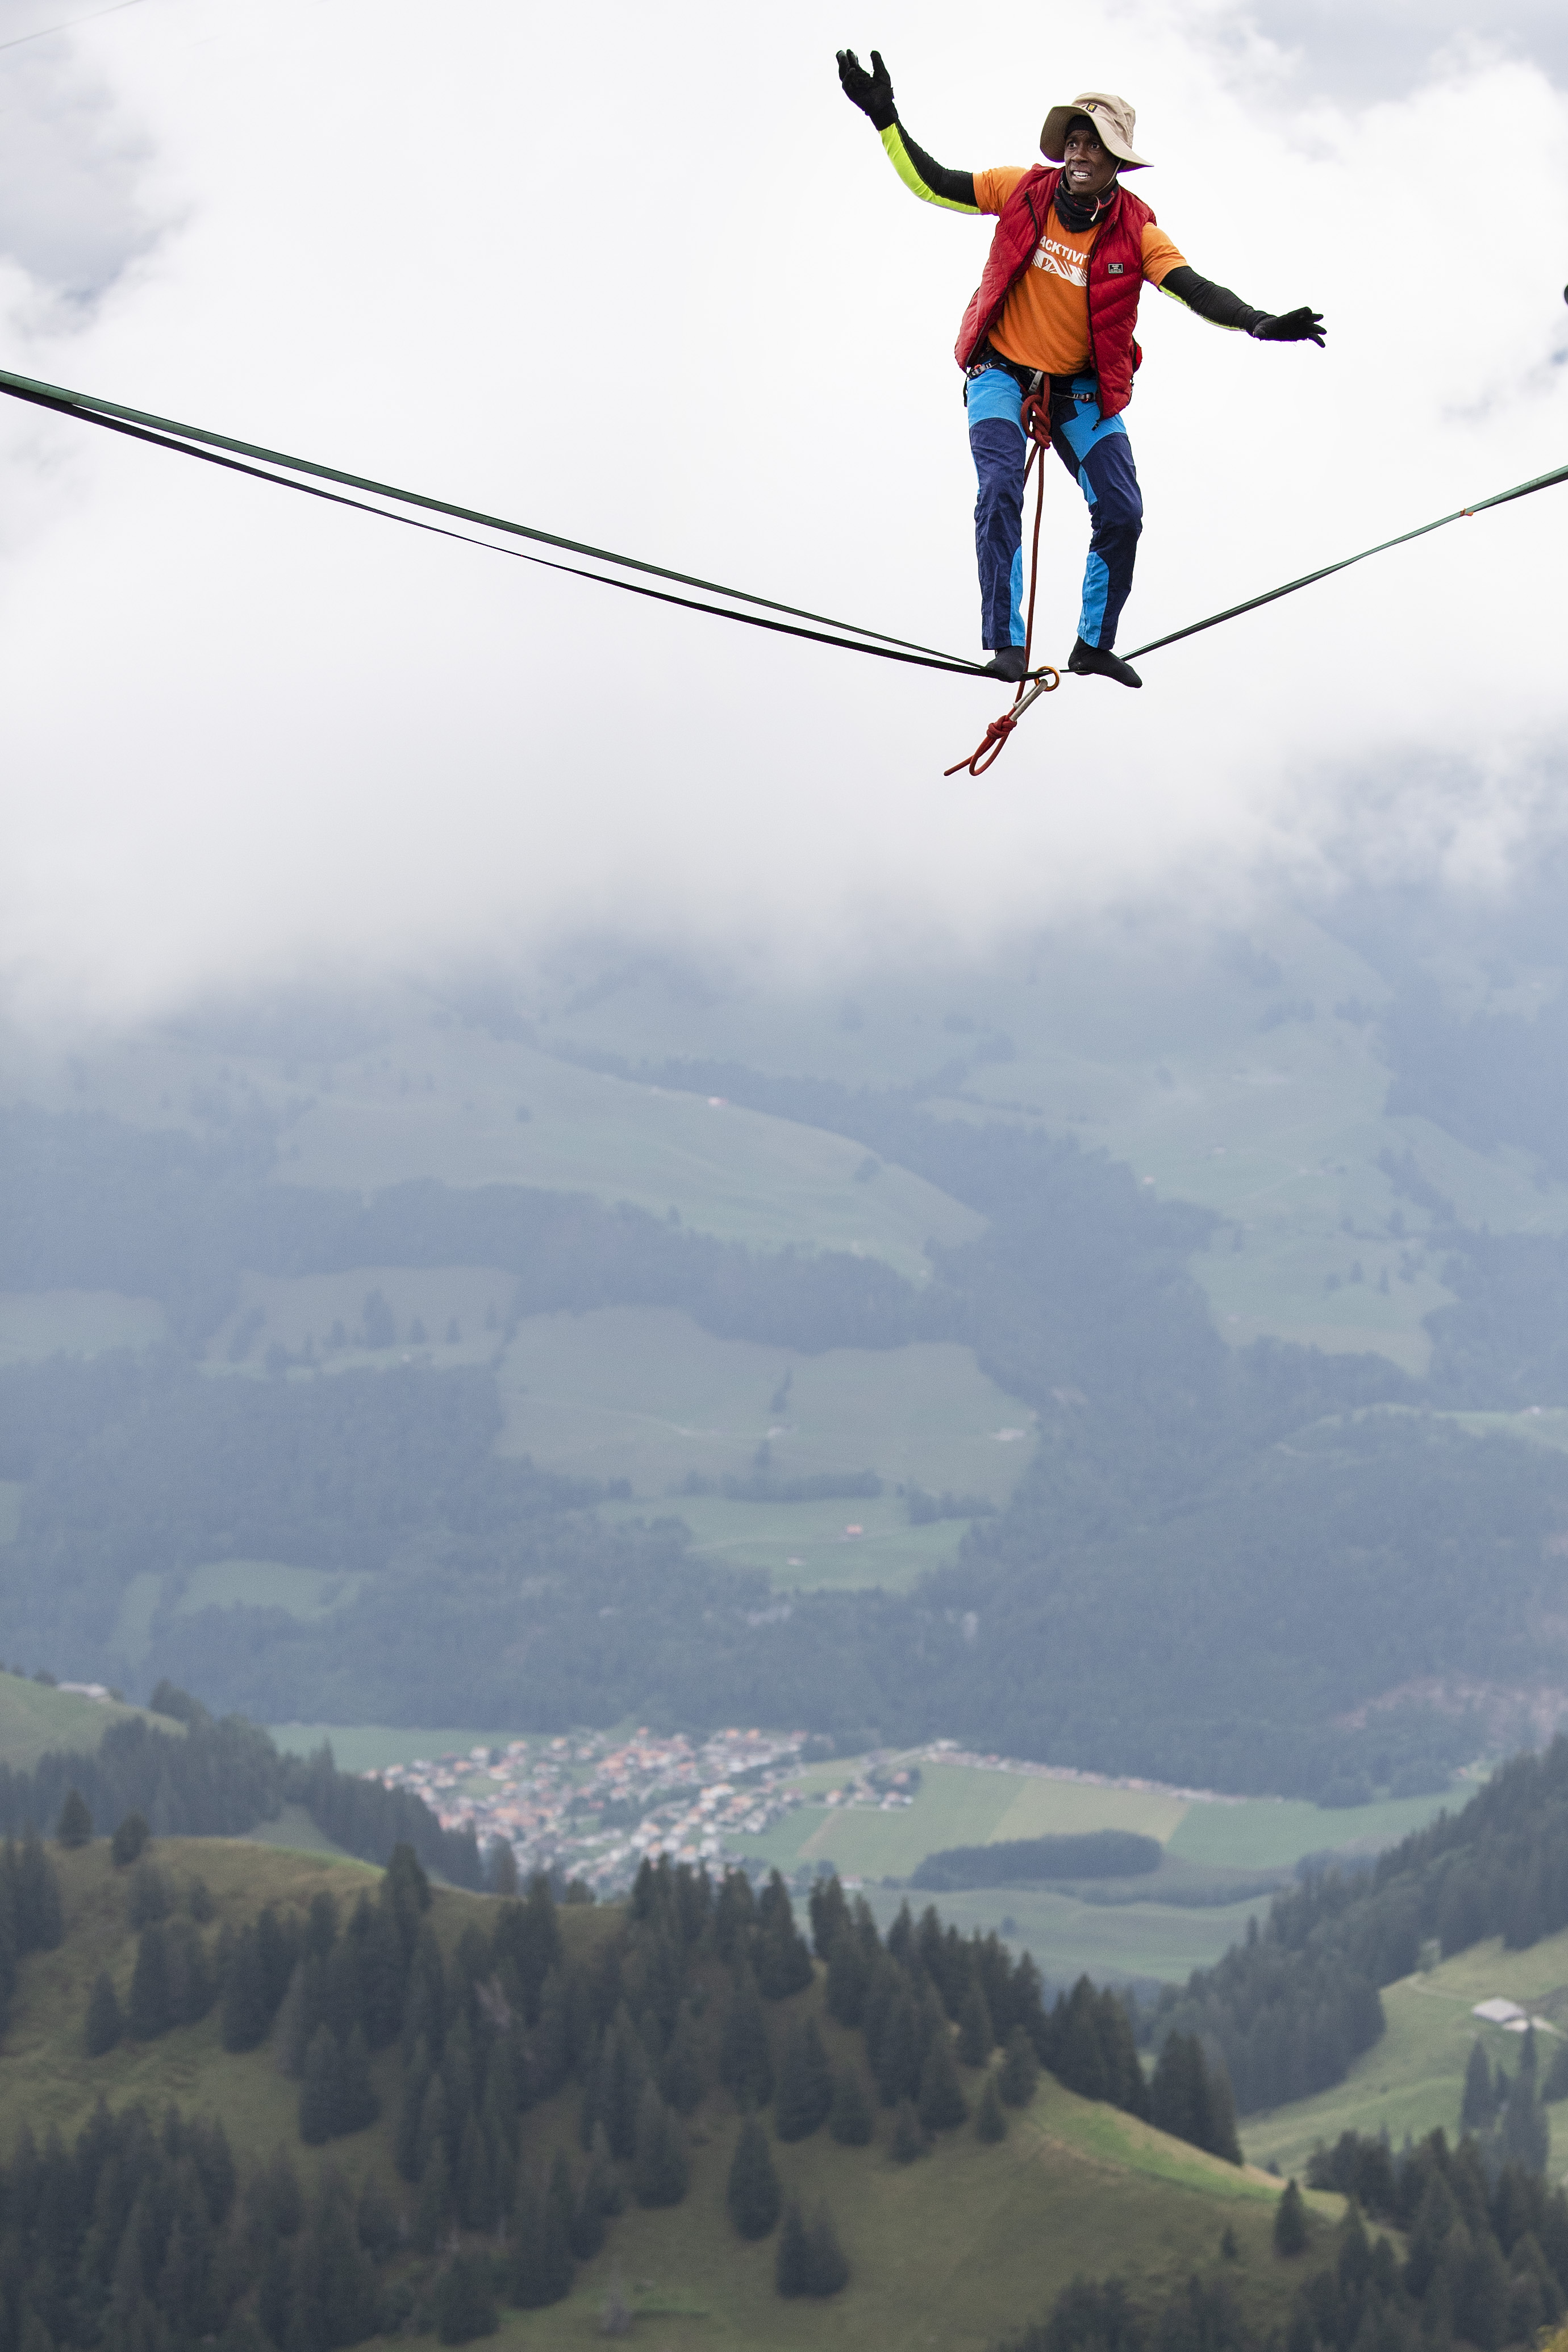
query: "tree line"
220, 1777
1298, 1999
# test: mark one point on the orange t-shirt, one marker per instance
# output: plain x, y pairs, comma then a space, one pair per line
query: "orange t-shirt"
1044, 319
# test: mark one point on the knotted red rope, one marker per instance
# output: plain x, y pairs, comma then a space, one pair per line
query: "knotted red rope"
1036, 418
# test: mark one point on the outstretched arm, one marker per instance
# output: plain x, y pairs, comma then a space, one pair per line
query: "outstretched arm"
873, 94
1223, 308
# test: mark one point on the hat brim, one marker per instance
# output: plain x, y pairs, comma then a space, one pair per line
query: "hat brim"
1053, 131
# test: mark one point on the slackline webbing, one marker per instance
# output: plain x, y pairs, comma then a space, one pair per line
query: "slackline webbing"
274, 465
1269, 596
263, 465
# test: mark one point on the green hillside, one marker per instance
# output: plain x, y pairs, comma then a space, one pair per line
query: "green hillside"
969, 2242
36, 1719
1413, 2079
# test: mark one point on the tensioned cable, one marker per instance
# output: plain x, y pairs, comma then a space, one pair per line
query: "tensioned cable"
261, 464
1269, 596
196, 441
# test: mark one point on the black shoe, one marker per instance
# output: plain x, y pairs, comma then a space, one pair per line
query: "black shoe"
1095, 661
1008, 663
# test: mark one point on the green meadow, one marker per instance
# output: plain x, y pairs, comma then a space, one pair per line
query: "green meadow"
1413, 2079
645, 1394
955, 2250
466, 1108
36, 1719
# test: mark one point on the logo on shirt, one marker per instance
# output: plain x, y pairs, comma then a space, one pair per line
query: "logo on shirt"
1114, 268
1064, 261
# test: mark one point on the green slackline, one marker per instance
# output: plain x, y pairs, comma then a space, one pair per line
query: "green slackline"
195, 441
1477, 505
263, 465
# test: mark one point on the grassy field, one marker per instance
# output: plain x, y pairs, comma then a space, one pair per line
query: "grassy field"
35, 1324
950, 2252
643, 1394
1111, 1942
446, 1104
1413, 2079
810, 1545
1274, 1832
35, 1718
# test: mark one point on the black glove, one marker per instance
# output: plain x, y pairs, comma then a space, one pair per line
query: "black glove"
871, 92
1302, 326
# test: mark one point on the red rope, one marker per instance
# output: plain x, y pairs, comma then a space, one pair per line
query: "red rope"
990, 748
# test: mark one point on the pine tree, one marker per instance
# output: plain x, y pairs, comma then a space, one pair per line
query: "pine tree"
293, 2025
360, 2105
147, 2012
908, 2141
104, 2023
976, 2039
74, 1827
465, 2300
826, 2268
322, 2089
129, 1839
433, 2208
662, 2169
830, 1915
752, 2195
942, 2105
1479, 2104
245, 2013
781, 1955
792, 2263
849, 2118
476, 2178
804, 2091
1019, 2074
1524, 2132
990, 2116
745, 2062
1290, 2221
600, 2194
680, 2074
848, 1979
408, 2153
502, 1872
376, 2220
541, 2267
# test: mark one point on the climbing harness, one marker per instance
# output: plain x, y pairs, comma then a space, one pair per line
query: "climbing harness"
1035, 417
272, 466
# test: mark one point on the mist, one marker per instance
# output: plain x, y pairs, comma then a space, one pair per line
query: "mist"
660, 291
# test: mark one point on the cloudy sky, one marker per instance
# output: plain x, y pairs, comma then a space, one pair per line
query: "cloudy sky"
653, 284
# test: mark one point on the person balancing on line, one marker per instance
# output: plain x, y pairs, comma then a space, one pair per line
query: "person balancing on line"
1053, 316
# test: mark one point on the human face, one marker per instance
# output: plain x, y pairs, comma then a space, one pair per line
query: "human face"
1087, 166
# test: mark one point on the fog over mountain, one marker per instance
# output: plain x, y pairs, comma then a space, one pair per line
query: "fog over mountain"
674, 301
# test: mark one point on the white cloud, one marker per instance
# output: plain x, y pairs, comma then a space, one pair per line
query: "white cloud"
655, 285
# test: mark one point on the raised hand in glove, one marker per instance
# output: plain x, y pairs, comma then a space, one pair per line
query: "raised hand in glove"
1302, 326
871, 92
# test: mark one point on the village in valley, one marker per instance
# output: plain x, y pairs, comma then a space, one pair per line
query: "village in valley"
591, 1805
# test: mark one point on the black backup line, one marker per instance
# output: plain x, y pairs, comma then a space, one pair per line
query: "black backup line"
276, 468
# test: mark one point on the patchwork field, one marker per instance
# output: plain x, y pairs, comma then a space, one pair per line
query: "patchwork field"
852, 1543
643, 1394
465, 1109
370, 1747
1413, 2079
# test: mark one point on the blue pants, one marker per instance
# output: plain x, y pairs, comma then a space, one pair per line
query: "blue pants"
1096, 451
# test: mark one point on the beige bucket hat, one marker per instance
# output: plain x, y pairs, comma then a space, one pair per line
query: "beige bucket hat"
1114, 121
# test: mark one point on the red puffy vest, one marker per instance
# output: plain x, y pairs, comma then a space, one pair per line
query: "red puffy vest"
1115, 280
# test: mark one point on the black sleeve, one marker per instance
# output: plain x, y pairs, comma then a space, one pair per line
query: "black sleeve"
947, 187
1215, 303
